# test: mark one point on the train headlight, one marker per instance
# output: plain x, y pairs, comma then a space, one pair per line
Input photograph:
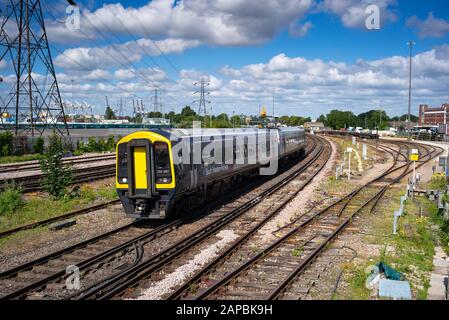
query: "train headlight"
124, 180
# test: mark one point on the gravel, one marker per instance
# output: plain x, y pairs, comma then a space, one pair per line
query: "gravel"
31, 245
298, 205
177, 277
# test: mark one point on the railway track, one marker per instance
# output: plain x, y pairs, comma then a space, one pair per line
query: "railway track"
35, 165
68, 215
142, 266
248, 216
33, 183
37, 276
279, 271
30, 276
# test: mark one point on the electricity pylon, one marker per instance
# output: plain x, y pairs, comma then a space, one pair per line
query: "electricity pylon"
202, 110
156, 101
33, 104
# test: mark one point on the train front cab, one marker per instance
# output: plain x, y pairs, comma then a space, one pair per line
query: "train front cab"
145, 178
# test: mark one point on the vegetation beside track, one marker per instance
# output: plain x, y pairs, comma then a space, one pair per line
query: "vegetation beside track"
440, 182
93, 145
22, 158
35, 207
410, 252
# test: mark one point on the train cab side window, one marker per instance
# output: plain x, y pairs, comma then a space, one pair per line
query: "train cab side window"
162, 162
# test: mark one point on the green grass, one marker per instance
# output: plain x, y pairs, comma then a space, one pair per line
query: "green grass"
410, 252
39, 207
22, 158
357, 279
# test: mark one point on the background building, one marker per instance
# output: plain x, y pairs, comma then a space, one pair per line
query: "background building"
437, 117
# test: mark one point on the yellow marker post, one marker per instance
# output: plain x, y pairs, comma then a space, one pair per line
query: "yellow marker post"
414, 156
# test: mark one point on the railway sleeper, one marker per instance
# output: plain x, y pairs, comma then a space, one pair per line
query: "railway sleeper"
299, 289
56, 286
253, 285
245, 294
28, 276
45, 269
290, 296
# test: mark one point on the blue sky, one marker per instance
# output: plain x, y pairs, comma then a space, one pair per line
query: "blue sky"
316, 54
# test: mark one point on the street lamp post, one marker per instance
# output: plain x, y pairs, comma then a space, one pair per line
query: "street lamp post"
410, 44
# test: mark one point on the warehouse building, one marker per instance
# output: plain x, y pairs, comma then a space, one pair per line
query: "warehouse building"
437, 117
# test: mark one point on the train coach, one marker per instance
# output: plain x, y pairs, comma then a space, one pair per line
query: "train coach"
161, 171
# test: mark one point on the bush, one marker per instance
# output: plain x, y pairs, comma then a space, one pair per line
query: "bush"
6, 143
38, 145
11, 200
55, 145
110, 143
101, 145
438, 182
92, 145
57, 176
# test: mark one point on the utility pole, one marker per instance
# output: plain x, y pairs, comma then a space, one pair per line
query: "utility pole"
274, 92
24, 42
410, 44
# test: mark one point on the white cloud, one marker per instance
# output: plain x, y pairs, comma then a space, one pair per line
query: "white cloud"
352, 12
431, 27
119, 55
213, 22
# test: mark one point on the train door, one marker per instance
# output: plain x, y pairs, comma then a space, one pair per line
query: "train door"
193, 167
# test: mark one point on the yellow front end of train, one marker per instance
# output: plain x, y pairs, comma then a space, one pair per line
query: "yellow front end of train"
145, 175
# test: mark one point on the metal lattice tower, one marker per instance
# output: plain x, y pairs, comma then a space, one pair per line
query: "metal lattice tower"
33, 103
202, 110
156, 101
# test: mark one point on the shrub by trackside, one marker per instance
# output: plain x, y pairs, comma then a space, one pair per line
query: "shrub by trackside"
6, 147
11, 200
57, 176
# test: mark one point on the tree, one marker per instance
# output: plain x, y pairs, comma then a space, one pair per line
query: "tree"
373, 119
404, 117
322, 119
187, 112
57, 176
109, 114
154, 114
341, 119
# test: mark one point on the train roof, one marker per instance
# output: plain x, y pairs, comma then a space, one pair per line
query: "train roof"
178, 133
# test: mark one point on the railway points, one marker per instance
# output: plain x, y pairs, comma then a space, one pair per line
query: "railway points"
223, 151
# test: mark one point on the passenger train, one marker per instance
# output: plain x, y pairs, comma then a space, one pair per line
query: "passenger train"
161, 171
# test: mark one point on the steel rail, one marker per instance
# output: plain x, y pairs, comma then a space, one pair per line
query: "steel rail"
243, 267
84, 264
68, 215
111, 286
